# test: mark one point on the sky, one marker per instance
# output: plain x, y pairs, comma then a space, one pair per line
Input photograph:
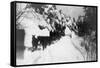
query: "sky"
73, 11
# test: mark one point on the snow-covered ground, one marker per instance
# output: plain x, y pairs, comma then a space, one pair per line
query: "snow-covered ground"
61, 51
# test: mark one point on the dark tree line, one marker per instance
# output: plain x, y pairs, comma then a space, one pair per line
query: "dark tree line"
88, 23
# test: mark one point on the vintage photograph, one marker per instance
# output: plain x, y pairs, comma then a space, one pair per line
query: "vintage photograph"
52, 33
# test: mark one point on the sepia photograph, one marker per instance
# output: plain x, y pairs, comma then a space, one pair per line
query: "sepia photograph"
53, 33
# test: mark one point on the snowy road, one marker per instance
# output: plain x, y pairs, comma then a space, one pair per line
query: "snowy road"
62, 51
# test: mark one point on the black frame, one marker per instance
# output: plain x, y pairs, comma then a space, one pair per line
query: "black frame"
13, 33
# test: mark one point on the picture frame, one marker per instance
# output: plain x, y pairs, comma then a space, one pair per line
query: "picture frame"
52, 33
